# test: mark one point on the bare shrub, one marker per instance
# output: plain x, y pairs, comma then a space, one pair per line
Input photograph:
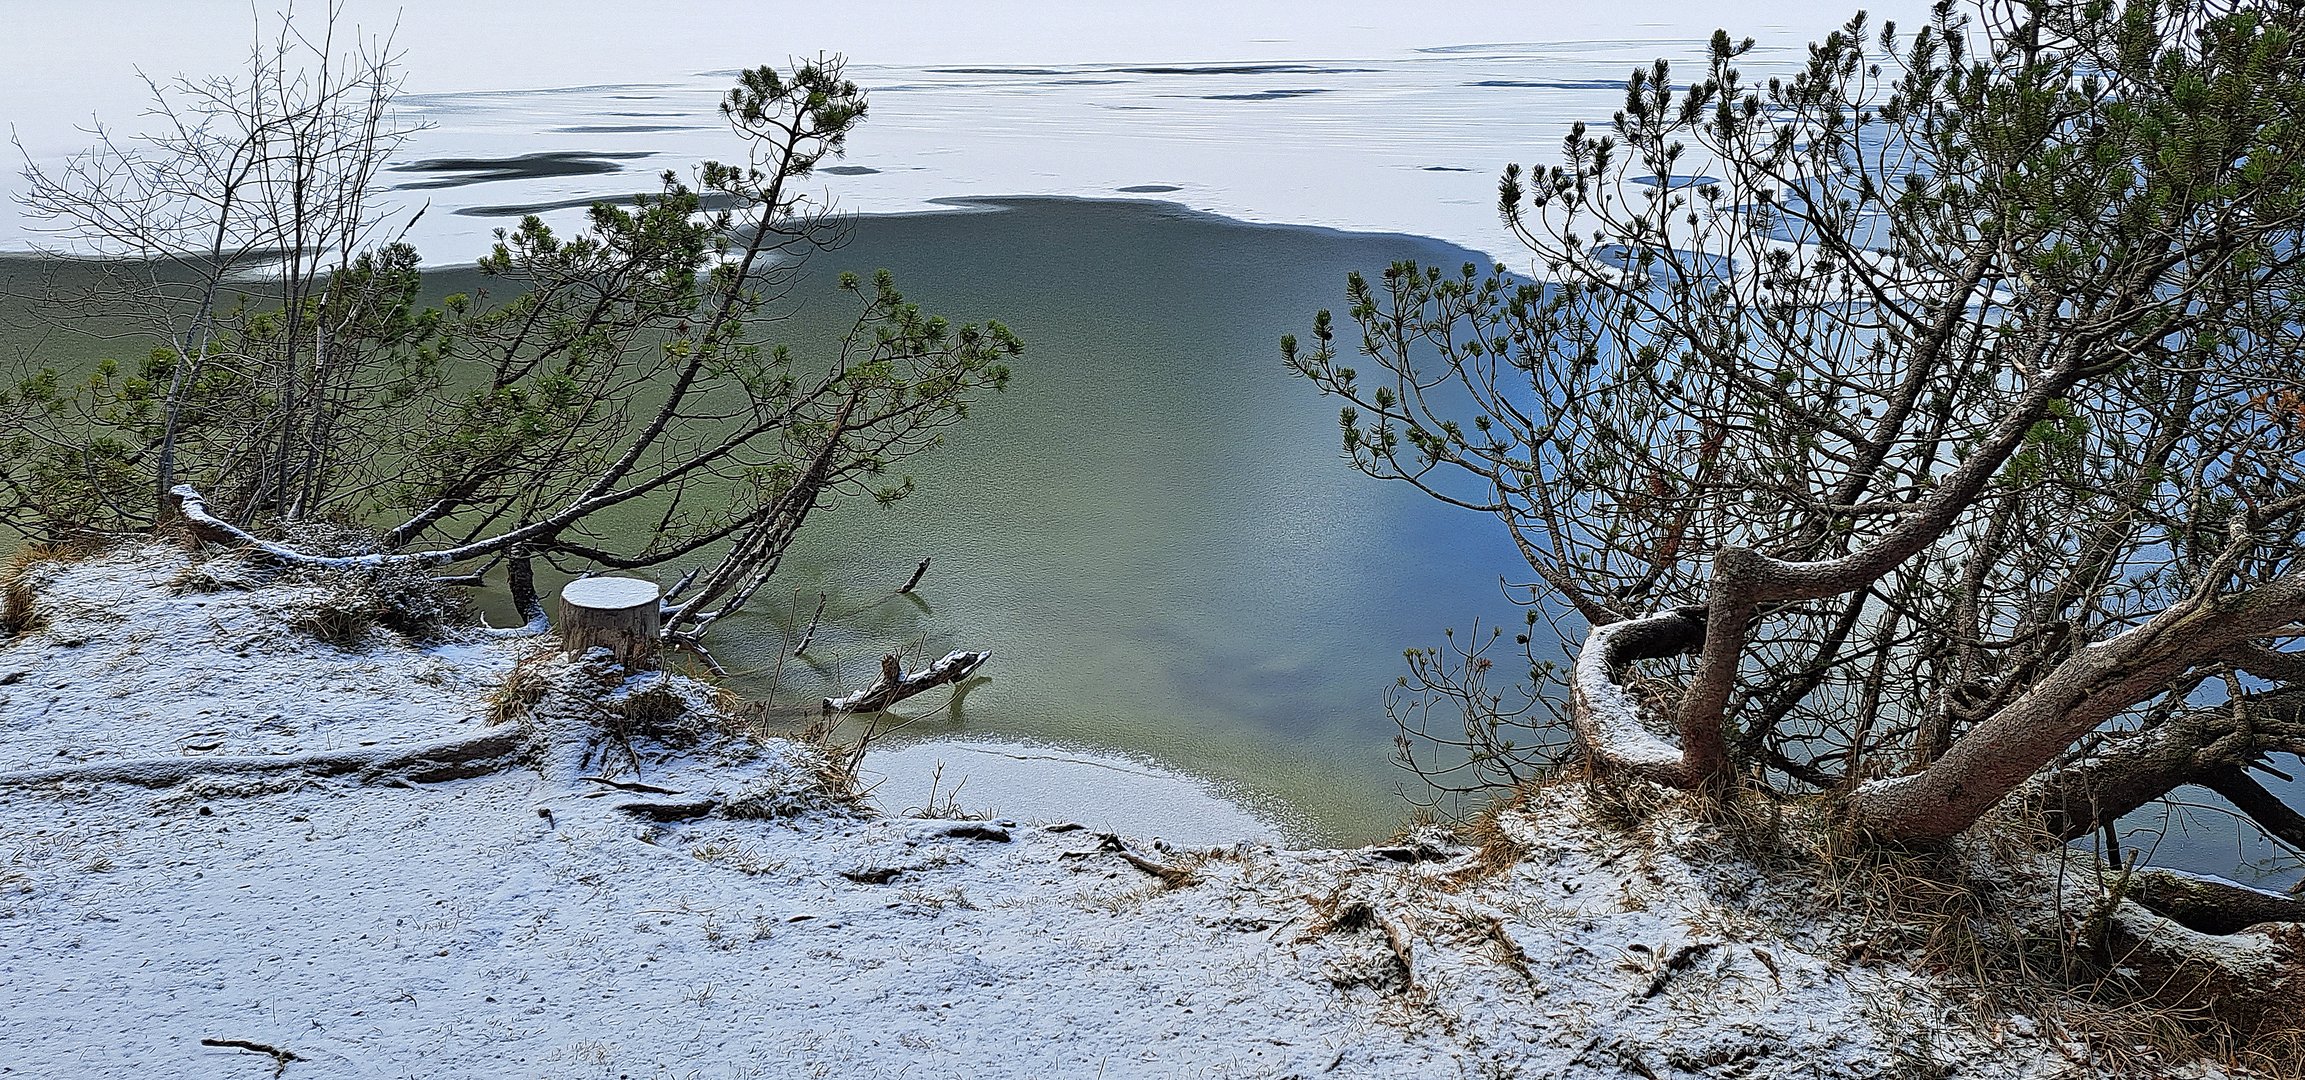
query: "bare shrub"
402, 599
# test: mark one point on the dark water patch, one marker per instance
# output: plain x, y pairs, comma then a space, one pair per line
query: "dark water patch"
1675, 183
1611, 46
1446, 168
711, 201
1698, 264
850, 170
1562, 84
1241, 69
1264, 95
1148, 189
460, 172
618, 129
997, 71
474, 100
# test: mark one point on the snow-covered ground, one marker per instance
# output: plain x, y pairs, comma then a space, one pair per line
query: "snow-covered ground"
235, 851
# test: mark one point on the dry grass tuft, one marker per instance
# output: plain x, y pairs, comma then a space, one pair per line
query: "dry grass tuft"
1995, 916
2007, 918
772, 802
342, 626
18, 605
525, 685
831, 762
1495, 850
657, 712
1335, 911
1621, 804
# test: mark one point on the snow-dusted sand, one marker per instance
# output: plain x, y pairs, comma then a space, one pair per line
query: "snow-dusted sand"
222, 859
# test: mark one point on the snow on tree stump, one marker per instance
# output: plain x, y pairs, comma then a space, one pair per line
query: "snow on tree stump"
622, 615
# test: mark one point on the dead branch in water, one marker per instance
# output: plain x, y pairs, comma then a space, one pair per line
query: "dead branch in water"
896, 685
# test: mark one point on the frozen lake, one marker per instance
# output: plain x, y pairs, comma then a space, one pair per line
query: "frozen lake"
1358, 115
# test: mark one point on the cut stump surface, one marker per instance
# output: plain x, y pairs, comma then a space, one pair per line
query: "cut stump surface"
622, 615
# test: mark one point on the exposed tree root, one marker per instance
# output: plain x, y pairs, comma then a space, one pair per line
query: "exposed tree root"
2207, 747
489, 750
2211, 906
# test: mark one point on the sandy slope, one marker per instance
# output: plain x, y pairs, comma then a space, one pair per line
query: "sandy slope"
385, 920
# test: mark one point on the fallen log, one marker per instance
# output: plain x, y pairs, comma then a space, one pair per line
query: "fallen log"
896, 685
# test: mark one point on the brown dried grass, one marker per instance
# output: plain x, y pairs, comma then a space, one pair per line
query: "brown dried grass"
19, 607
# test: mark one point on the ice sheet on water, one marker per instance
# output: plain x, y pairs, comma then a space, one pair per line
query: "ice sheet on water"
1262, 115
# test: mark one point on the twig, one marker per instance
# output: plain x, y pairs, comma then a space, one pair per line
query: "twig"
915, 579
631, 785
1175, 877
813, 620
280, 1057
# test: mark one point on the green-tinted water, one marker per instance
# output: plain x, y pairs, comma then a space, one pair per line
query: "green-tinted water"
1152, 529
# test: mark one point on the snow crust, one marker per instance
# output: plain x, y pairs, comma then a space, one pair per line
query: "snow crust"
644, 896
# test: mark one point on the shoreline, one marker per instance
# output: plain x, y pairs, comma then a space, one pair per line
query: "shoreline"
714, 907
1123, 604
944, 207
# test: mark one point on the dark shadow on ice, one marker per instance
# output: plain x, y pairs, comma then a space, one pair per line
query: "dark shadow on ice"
1568, 84
712, 201
1263, 95
1240, 69
1675, 183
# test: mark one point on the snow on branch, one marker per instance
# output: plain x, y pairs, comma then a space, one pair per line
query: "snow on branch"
1606, 718
193, 508
896, 685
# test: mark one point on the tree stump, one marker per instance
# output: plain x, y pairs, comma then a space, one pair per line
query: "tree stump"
622, 615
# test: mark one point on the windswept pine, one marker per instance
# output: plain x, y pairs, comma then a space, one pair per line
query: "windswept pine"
1939, 447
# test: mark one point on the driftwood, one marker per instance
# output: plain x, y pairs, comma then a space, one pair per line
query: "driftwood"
622, 615
1175, 877
896, 685
280, 1057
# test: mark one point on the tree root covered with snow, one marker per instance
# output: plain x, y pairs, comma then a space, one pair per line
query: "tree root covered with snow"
477, 754
2208, 905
